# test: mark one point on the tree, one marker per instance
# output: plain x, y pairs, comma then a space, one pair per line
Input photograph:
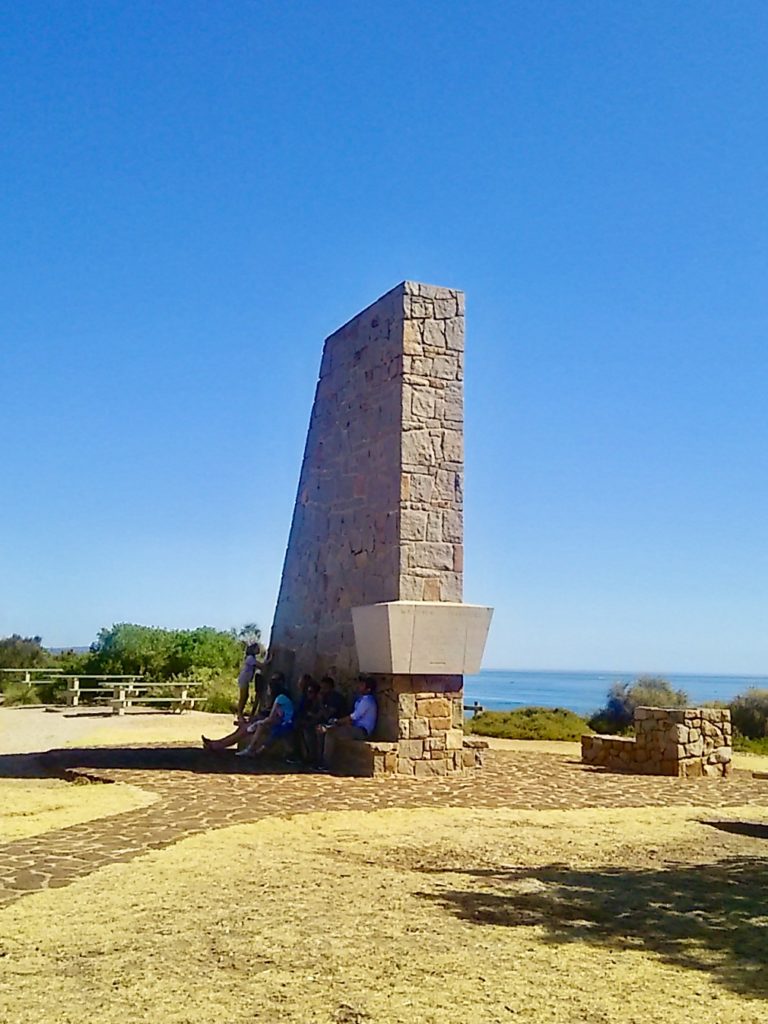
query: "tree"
22, 652
130, 649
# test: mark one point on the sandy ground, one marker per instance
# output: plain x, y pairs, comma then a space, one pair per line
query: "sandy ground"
408, 917
29, 730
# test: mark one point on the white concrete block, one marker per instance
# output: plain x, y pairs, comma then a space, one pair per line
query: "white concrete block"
421, 637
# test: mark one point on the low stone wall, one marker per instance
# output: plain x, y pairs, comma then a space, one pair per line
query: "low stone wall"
377, 757
680, 742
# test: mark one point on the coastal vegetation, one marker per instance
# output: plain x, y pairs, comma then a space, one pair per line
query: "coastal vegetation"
530, 723
618, 713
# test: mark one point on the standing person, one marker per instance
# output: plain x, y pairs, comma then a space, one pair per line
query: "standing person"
244, 680
359, 725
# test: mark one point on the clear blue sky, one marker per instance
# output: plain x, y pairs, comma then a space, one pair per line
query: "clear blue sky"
194, 194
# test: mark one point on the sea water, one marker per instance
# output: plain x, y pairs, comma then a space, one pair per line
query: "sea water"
584, 692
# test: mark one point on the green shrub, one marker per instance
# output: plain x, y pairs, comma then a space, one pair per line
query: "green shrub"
647, 691
19, 692
749, 713
218, 690
744, 745
129, 649
530, 724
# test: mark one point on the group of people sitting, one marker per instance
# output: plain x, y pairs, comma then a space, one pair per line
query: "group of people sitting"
312, 726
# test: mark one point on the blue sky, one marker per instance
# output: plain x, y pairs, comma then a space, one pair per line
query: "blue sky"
195, 194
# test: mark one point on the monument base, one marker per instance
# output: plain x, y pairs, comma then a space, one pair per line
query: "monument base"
420, 730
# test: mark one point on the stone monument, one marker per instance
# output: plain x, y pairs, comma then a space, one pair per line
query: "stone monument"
372, 579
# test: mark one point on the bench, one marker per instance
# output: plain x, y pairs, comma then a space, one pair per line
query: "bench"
122, 692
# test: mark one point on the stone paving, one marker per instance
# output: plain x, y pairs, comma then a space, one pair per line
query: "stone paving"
198, 792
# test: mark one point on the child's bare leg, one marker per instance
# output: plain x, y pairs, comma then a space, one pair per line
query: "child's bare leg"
226, 741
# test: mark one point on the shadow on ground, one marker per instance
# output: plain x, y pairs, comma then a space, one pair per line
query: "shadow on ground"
707, 917
61, 763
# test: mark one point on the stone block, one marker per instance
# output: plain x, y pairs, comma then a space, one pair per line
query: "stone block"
419, 728
427, 769
411, 748
437, 725
433, 707
454, 739
406, 705
404, 766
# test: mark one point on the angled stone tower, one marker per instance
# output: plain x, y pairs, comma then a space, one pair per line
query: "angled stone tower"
372, 579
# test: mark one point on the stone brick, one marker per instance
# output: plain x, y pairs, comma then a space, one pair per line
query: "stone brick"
411, 748
454, 739
434, 333
431, 555
433, 707
435, 743
413, 524
439, 725
406, 704
419, 728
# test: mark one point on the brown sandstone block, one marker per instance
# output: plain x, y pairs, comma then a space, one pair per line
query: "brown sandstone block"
433, 707
437, 725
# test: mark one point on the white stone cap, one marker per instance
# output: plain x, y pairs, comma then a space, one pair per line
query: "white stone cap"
421, 637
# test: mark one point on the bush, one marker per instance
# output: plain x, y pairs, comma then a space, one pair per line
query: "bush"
22, 652
128, 649
744, 745
749, 713
646, 691
530, 724
218, 690
18, 692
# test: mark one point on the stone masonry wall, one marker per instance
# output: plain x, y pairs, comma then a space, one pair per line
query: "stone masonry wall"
379, 509
682, 742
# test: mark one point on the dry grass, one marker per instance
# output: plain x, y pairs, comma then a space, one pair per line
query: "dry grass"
419, 916
30, 807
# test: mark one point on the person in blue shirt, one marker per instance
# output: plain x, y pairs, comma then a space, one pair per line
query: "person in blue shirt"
359, 725
278, 723
261, 730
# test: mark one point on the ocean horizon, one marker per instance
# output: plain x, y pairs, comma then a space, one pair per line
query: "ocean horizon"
585, 691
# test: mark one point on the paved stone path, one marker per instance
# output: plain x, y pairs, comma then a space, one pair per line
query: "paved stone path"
198, 792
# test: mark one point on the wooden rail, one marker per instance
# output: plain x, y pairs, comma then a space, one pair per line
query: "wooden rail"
476, 708
120, 691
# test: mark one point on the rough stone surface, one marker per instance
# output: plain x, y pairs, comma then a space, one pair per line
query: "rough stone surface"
379, 510
682, 742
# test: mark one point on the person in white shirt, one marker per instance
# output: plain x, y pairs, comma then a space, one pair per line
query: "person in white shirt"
359, 725
251, 668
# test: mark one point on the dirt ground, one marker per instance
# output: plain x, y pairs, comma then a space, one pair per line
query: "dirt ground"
25, 730
400, 916
394, 916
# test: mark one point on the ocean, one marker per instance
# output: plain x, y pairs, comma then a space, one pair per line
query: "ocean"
584, 692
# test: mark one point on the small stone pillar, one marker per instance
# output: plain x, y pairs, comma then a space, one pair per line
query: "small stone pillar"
682, 742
